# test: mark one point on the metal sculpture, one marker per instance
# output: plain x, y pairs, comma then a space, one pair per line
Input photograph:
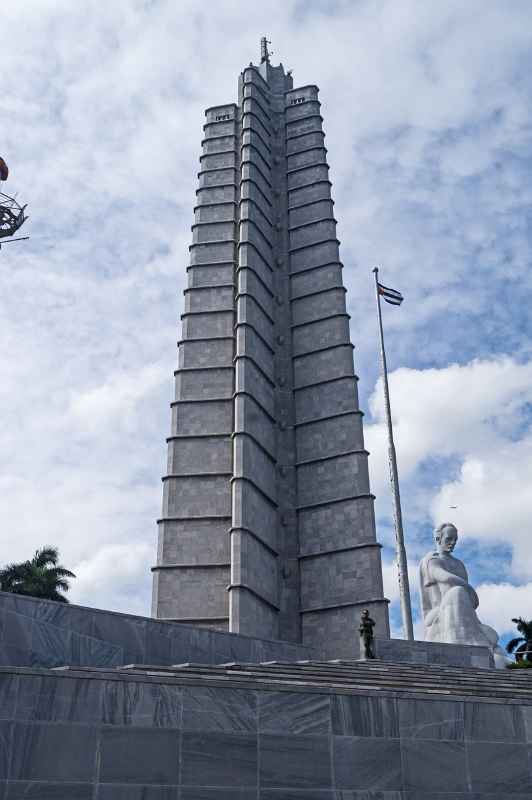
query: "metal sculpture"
12, 214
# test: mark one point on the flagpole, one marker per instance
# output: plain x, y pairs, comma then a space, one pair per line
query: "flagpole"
404, 588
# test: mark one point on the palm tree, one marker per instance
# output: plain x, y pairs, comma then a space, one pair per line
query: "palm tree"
521, 651
40, 577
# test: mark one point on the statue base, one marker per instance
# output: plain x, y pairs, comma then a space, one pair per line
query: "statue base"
420, 652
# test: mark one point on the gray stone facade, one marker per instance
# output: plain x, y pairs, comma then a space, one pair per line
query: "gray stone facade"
41, 633
265, 732
268, 526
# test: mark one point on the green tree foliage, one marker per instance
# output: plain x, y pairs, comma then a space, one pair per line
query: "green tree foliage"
521, 646
40, 577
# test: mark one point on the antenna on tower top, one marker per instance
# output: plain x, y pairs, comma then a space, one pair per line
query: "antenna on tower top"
264, 52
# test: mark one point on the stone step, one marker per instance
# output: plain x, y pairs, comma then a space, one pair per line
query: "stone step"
359, 675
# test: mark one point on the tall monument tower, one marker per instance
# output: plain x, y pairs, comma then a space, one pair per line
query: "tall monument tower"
268, 526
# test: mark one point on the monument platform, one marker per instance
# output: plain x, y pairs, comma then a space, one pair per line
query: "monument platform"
267, 731
251, 718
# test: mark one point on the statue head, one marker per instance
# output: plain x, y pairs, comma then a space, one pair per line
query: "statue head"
446, 536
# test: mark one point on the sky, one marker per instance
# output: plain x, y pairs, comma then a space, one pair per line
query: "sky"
429, 132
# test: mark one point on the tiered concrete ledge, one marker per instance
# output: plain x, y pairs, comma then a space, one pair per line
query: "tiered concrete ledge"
267, 731
434, 680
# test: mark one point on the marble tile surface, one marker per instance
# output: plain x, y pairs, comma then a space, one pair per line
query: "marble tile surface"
409, 795
16, 630
127, 632
48, 699
302, 762
88, 650
349, 795
527, 721
141, 704
430, 766
53, 752
231, 710
37, 790
219, 759
12, 655
158, 644
116, 791
230, 648
6, 734
296, 794
294, 712
356, 715
8, 695
499, 767
191, 644
367, 763
139, 755
76, 618
50, 646
199, 793
431, 719
494, 722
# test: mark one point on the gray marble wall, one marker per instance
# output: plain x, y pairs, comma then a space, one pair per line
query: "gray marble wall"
47, 634
115, 737
401, 651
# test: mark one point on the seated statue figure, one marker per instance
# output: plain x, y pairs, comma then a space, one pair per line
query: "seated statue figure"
449, 602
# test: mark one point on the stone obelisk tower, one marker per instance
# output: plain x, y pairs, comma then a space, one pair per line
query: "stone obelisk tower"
268, 526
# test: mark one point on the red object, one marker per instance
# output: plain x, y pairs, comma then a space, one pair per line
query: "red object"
4, 172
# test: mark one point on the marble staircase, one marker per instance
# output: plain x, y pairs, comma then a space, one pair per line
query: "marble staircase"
435, 680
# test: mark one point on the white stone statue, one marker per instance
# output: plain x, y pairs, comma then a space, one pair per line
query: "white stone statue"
448, 601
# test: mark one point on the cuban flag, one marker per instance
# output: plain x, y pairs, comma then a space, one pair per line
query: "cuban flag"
391, 296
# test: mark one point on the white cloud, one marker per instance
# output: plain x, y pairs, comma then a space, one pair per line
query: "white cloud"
499, 603
458, 410
391, 592
117, 397
426, 109
391, 583
116, 575
494, 500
